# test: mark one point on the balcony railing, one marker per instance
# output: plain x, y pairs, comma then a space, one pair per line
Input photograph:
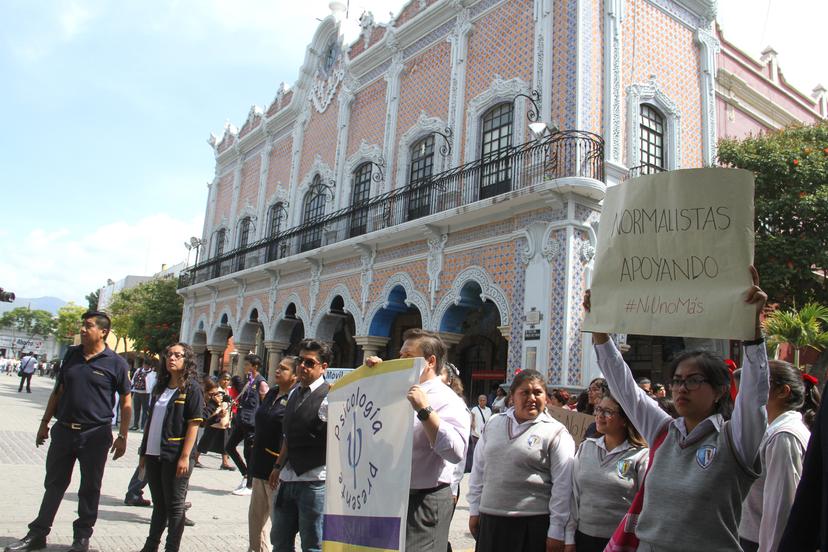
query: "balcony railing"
570, 153
641, 170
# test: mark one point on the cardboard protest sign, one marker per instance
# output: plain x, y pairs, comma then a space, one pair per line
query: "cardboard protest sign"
673, 256
576, 422
370, 427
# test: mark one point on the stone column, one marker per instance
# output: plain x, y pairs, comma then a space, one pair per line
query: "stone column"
216, 352
371, 344
275, 354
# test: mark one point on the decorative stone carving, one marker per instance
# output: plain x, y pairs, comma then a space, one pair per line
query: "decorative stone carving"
434, 266
213, 301
272, 293
366, 277
326, 173
367, 24
551, 247
587, 252
240, 291
709, 48
489, 292
327, 80
413, 297
651, 92
313, 289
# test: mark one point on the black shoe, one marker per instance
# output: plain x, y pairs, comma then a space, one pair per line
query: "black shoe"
29, 542
79, 545
227, 467
134, 428
188, 522
140, 501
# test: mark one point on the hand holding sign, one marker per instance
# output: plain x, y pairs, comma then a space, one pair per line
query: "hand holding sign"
671, 252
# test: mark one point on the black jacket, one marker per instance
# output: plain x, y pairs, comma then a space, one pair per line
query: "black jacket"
183, 408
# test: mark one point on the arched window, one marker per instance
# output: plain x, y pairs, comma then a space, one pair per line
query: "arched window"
314, 208
419, 178
496, 175
244, 238
361, 185
651, 123
275, 221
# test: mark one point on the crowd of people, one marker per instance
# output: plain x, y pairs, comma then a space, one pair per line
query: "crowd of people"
709, 467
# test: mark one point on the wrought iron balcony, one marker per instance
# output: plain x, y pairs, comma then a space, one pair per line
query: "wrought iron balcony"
569, 153
641, 170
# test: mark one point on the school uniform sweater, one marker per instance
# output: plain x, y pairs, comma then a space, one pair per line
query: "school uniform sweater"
604, 484
768, 504
703, 511
524, 463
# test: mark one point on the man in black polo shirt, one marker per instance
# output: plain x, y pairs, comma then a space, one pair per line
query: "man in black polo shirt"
82, 401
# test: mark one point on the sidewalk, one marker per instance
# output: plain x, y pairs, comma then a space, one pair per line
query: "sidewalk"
220, 517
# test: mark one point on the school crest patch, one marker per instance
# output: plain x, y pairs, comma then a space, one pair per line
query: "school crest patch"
623, 468
533, 441
705, 456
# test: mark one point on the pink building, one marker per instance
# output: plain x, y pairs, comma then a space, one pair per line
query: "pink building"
403, 180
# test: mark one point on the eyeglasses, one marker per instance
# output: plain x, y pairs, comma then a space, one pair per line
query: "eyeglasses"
605, 412
175, 355
690, 383
308, 362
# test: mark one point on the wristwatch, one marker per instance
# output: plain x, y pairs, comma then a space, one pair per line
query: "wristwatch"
122, 436
424, 413
277, 466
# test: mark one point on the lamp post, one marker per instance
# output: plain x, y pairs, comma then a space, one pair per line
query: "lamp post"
538, 127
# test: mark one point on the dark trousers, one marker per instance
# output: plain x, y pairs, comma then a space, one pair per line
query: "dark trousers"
136, 486
519, 534
27, 379
429, 520
89, 448
140, 409
240, 432
587, 543
748, 546
168, 496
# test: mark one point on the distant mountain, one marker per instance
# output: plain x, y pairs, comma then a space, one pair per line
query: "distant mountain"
51, 304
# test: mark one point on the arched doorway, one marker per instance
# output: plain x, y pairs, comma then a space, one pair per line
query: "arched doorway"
251, 339
482, 352
222, 340
393, 319
337, 327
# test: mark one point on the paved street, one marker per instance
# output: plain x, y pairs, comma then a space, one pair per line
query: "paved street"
221, 518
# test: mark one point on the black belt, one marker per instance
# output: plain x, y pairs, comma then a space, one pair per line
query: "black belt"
427, 491
79, 427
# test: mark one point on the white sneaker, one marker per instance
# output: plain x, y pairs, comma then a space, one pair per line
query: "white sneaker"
242, 485
244, 491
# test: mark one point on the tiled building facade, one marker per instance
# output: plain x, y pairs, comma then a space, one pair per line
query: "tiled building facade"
398, 183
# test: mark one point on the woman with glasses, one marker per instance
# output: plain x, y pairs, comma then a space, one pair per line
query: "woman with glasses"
606, 474
267, 442
217, 420
793, 400
707, 461
166, 451
520, 485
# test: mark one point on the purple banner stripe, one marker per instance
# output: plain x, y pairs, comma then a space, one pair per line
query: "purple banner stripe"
375, 532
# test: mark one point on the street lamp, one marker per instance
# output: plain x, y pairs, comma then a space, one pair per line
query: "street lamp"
196, 244
538, 127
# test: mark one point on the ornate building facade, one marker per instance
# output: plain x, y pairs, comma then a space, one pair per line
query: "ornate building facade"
404, 181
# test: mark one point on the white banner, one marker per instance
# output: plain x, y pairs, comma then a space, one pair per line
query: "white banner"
370, 426
673, 256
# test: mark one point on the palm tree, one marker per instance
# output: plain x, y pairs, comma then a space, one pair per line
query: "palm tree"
800, 329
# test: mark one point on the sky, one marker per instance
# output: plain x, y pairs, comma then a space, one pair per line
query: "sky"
107, 106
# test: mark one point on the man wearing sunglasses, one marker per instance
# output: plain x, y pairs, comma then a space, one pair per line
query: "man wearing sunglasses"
299, 474
441, 436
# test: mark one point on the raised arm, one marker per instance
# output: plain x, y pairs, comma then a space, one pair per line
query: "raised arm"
750, 418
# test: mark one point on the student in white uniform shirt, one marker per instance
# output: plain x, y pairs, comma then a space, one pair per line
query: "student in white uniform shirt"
606, 474
520, 485
767, 506
703, 470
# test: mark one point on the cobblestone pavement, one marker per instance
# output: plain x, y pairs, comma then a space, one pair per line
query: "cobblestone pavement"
220, 517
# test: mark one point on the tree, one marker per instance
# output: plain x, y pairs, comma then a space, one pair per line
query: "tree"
92, 298
801, 329
149, 314
68, 321
33, 323
791, 202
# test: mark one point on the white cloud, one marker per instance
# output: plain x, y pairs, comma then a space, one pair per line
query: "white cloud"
70, 264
